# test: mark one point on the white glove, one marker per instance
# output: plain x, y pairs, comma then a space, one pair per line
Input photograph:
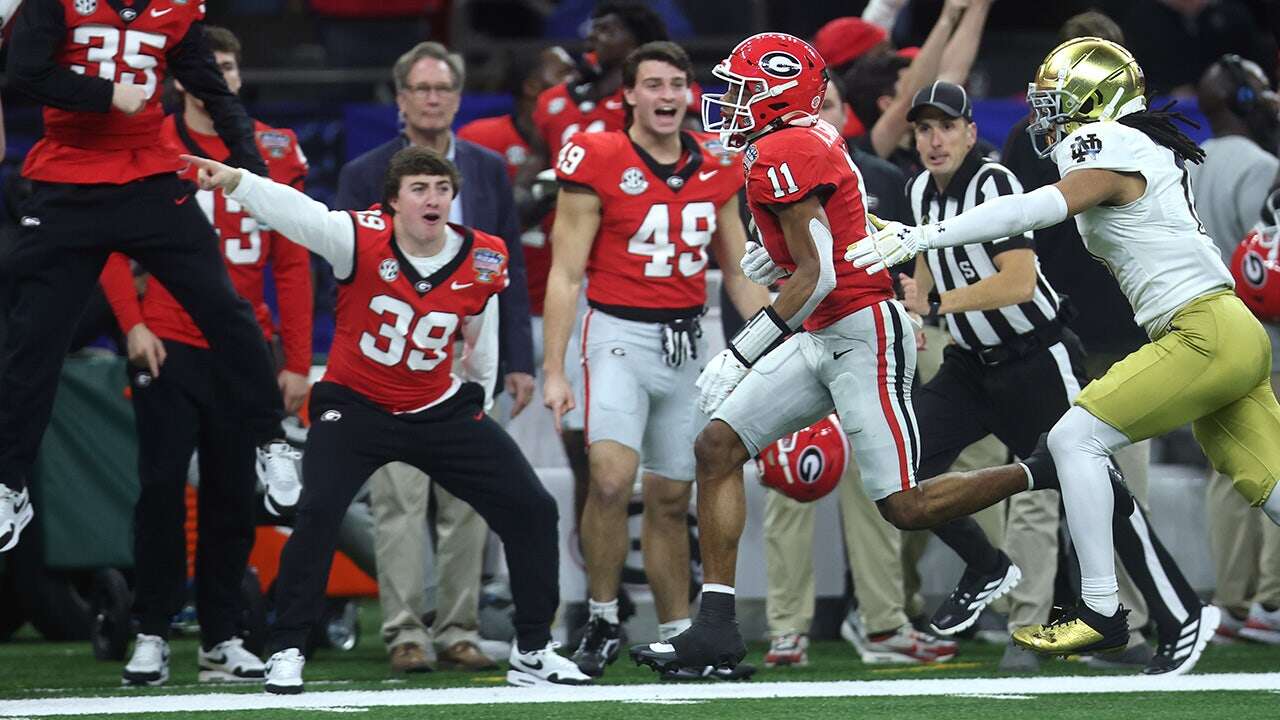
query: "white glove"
718, 379
893, 244
759, 267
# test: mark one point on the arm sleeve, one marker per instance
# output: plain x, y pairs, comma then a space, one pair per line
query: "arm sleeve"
999, 182
191, 63
38, 33
122, 295
999, 218
331, 234
480, 363
516, 328
291, 268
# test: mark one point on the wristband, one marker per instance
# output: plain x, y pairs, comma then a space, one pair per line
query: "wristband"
762, 333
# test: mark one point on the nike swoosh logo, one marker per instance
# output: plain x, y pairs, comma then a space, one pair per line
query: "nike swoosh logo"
532, 666
455, 285
703, 176
157, 12
613, 105
842, 353
217, 660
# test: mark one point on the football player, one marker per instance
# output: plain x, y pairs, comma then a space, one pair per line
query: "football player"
102, 183
637, 212
1125, 180
410, 284
185, 406
857, 354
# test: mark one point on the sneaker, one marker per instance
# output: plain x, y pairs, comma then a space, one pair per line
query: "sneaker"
15, 513
788, 649
601, 642
741, 671
228, 661
1077, 630
150, 662
1177, 656
1017, 659
904, 645
702, 646
278, 477
1262, 625
975, 591
544, 667
1228, 628
284, 672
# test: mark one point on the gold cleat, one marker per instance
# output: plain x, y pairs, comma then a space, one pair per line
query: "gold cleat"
1078, 630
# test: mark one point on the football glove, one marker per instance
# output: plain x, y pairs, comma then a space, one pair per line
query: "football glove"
680, 341
759, 267
891, 245
718, 379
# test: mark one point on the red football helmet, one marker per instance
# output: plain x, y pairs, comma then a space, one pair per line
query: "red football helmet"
806, 465
774, 80
1256, 264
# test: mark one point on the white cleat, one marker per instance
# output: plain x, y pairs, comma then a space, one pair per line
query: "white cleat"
1178, 656
278, 477
543, 667
228, 661
284, 672
15, 513
149, 664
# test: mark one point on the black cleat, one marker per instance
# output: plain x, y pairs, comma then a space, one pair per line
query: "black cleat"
974, 593
599, 647
743, 671
701, 646
1178, 655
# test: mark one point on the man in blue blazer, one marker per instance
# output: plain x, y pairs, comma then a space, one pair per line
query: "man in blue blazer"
429, 82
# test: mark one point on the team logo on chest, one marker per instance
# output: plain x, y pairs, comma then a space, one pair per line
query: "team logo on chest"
389, 270
516, 155
128, 14
86, 7
675, 182
555, 106
633, 181
487, 264
1086, 147
749, 158
274, 142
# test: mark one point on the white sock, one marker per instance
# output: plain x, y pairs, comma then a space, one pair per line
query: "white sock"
1272, 507
713, 587
1082, 445
607, 610
668, 630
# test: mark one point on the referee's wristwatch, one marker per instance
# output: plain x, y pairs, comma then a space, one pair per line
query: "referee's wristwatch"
935, 304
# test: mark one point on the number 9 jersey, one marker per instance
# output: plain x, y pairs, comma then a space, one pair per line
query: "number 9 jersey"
396, 330
656, 221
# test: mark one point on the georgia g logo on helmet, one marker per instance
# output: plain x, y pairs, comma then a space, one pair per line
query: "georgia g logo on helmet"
1254, 269
780, 64
810, 465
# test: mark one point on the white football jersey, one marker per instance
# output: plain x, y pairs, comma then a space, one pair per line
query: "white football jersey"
1155, 246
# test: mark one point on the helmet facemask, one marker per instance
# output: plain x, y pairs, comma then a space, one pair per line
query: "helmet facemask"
1052, 122
729, 113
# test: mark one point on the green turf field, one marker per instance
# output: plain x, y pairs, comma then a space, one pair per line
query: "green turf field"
68, 675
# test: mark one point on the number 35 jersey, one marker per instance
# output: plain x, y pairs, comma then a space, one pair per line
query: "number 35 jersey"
790, 165
655, 221
396, 330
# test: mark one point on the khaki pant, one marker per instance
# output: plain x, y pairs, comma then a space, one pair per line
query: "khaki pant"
399, 496
1245, 546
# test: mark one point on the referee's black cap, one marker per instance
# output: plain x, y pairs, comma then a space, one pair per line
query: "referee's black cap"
948, 97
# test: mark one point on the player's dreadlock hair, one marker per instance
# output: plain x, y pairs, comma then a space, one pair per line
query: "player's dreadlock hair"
1158, 125
644, 24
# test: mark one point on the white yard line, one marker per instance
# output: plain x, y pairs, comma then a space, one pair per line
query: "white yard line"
352, 699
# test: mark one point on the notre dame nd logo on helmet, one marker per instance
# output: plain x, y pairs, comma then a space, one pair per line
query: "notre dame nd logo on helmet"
1085, 147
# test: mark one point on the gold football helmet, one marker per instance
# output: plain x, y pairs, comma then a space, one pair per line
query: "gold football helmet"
1081, 81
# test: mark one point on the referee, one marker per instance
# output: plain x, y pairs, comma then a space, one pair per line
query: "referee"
1014, 368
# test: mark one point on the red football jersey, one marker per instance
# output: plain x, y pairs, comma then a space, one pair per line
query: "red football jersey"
112, 147
655, 224
395, 333
563, 111
789, 165
247, 248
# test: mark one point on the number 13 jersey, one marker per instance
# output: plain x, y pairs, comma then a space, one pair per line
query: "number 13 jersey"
394, 342
650, 250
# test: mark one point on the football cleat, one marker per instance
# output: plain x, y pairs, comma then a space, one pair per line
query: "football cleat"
228, 661
15, 513
1179, 655
788, 649
903, 645
149, 664
703, 645
1262, 625
278, 477
974, 593
742, 671
284, 672
1078, 630
599, 647
543, 667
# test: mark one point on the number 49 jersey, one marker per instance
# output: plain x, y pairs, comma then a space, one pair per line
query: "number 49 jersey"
651, 248
792, 164
395, 334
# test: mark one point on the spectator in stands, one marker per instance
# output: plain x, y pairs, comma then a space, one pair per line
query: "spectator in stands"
841, 42
881, 87
1108, 336
1231, 185
429, 81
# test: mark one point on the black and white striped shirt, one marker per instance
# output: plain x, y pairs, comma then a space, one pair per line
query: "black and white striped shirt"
975, 181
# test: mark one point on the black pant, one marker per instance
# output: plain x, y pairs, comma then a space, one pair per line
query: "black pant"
185, 408
460, 448
52, 266
1015, 401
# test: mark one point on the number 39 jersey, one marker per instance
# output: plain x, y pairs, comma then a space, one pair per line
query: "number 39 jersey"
651, 247
792, 164
395, 334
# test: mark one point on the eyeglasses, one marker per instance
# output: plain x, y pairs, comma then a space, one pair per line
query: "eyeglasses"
425, 90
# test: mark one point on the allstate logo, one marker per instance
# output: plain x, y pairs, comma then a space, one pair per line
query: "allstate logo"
781, 64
